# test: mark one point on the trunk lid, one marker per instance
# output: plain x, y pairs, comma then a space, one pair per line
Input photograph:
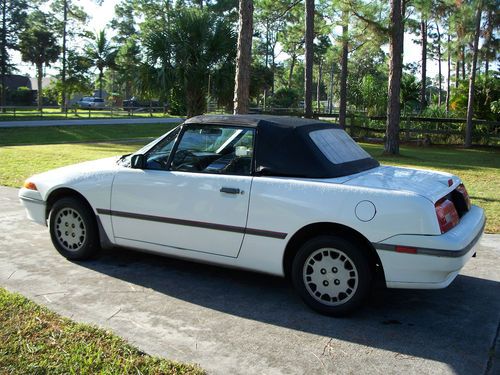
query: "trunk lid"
430, 184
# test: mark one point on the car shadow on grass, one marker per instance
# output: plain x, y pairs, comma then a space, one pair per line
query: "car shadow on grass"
455, 325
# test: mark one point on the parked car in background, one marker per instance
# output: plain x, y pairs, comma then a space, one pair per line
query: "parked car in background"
281, 195
91, 102
134, 104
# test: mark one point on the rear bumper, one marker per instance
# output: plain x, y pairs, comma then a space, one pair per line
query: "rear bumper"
438, 259
34, 205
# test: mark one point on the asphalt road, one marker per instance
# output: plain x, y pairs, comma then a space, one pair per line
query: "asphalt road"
234, 322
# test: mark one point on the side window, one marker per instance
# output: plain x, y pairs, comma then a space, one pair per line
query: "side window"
157, 157
214, 149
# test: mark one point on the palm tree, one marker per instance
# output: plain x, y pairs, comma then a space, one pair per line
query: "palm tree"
344, 67
38, 45
395, 71
472, 79
244, 59
197, 44
102, 53
309, 42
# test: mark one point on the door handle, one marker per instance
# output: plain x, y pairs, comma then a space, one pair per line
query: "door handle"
229, 190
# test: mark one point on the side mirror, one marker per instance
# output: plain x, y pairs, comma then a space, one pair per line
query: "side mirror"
138, 161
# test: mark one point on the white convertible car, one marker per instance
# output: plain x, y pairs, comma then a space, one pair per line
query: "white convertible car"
286, 196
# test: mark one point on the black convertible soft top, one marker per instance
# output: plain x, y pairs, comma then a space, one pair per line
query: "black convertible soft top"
283, 146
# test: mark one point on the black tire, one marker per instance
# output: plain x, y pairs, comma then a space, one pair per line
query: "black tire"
81, 239
332, 275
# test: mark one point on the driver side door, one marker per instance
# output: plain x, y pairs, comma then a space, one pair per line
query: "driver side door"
195, 200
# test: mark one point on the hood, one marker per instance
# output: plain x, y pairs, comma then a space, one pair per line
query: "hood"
429, 184
94, 171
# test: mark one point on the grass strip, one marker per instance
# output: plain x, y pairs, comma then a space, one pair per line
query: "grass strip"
20, 162
35, 340
80, 114
75, 133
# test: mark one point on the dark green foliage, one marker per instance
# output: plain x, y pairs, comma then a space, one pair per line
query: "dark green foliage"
486, 97
182, 54
410, 89
21, 96
286, 98
13, 17
261, 79
37, 44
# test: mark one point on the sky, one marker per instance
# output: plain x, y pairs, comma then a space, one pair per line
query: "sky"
100, 16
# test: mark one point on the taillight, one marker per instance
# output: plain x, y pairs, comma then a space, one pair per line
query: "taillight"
462, 190
446, 214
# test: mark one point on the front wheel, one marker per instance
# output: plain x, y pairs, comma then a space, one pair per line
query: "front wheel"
73, 229
332, 275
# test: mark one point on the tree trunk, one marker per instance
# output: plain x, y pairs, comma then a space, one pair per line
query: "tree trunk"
128, 88
3, 67
395, 71
100, 82
472, 79
267, 43
423, 31
39, 74
244, 57
292, 66
487, 43
457, 72
195, 99
63, 73
318, 86
330, 95
343, 70
448, 78
309, 38
439, 64
273, 69
462, 54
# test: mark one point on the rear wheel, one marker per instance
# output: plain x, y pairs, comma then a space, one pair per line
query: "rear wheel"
332, 275
73, 229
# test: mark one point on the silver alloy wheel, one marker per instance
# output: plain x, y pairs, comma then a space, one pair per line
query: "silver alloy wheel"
330, 276
70, 229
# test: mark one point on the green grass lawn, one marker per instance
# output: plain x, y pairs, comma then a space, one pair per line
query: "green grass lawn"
37, 341
84, 133
55, 114
19, 162
478, 168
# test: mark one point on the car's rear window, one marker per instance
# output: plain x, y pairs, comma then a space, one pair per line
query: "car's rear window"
99, 100
337, 146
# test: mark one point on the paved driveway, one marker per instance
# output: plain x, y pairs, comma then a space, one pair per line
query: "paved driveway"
233, 322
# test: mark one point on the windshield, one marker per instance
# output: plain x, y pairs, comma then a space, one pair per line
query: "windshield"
124, 160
